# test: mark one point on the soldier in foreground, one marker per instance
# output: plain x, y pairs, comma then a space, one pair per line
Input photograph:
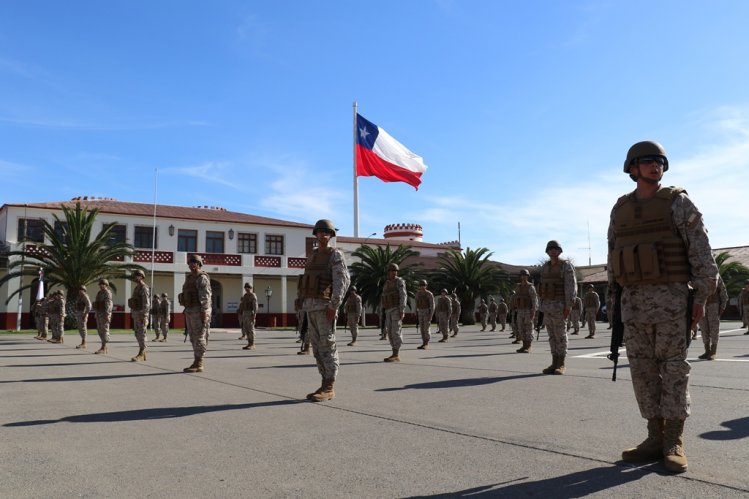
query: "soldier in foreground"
424, 313
710, 323
82, 308
526, 305
455, 314
247, 313
592, 303
140, 305
353, 313
394, 299
196, 298
657, 244
558, 290
165, 312
103, 312
444, 312
322, 287
56, 312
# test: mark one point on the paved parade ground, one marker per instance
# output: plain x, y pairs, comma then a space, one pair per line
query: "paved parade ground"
465, 418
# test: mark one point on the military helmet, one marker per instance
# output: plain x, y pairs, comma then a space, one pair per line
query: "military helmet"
491, 298
104, 282
645, 148
164, 295
553, 244
393, 266
324, 224
525, 272
589, 286
444, 291
195, 259
352, 288
82, 288
422, 282
139, 273
247, 285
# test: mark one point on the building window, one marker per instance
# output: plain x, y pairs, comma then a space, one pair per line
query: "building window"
144, 238
33, 228
273, 245
246, 243
61, 229
118, 234
187, 240
214, 241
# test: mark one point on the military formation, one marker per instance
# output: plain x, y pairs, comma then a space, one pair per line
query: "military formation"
663, 283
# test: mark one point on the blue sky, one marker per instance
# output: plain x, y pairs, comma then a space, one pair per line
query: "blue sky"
523, 110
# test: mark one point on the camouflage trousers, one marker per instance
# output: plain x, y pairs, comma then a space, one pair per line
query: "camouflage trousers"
554, 322
321, 334
394, 327
57, 326
454, 326
746, 318
42, 325
81, 319
574, 320
164, 323
525, 324
493, 321
140, 323
443, 323
658, 364
502, 320
482, 318
590, 318
299, 320
197, 330
248, 327
156, 324
710, 325
102, 326
425, 322
352, 321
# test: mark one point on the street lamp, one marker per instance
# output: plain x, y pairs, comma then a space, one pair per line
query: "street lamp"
268, 294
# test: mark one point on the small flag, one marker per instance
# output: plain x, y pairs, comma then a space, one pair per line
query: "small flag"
40, 289
379, 155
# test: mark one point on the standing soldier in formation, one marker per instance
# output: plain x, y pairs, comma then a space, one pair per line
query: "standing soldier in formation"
353, 313
743, 304
575, 312
322, 287
103, 313
710, 323
483, 310
140, 305
657, 246
513, 317
196, 298
492, 313
165, 312
592, 304
424, 313
455, 314
526, 304
155, 316
56, 313
502, 313
444, 313
82, 307
394, 299
299, 318
40, 319
247, 313
557, 290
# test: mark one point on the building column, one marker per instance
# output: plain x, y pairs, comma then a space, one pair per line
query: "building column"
179, 317
284, 319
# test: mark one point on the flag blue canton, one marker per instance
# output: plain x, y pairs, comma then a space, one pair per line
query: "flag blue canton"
366, 132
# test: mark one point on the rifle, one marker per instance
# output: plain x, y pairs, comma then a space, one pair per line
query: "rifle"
617, 330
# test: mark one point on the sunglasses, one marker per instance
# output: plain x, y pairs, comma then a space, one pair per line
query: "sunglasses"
649, 160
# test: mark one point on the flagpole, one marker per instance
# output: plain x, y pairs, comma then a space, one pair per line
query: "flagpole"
153, 233
356, 180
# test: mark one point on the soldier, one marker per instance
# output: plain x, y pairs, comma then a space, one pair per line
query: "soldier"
492, 313
82, 307
743, 304
424, 313
155, 316
512, 305
103, 313
557, 291
353, 313
165, 312
526, 304
394, 299
710, 323
502, 313
41, 319
444, 313
592, 303
483, 310
140, 305
322, 287
196, 298
575, 312
56, 313
299, 317
657, 245
455, 315
247, 313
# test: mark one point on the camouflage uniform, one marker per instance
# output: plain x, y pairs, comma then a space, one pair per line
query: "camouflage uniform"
493, 314
82, 308
444, 314
56, 311
155, 316
424, 312
575, 311
710, 323
743, 305
247, 314
40, 319
140, 305
483, 309
502, 313
513, 317
526, 304
298, 303
592, 303
394, 300
165, 311
196, 296
558, 290
455, 314
353, 315
103, 313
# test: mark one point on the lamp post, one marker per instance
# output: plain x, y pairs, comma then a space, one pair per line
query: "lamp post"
268, 294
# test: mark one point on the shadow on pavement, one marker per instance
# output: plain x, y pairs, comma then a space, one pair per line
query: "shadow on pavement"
87, 378
64, 364
152, 414
736, 429
458, 383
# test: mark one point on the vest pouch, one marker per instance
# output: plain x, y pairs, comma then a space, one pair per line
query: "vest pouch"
631, 272
649, 264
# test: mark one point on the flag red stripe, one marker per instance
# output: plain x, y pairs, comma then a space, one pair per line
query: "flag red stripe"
368, 164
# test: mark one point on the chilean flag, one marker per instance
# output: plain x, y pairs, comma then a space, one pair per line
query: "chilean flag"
380, 155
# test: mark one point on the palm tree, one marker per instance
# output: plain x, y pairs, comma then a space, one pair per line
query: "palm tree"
733, 273
470, 275
72, 258
370, 272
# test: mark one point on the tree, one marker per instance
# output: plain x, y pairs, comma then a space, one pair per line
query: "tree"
72, 258
470, 275
370, 272
733, 273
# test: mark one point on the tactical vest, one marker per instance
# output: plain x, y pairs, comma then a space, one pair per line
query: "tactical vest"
351, 305
80, 304
552, 282
248, 302
456, 306
648, 248
590, 300
523, 299
100, 304
390, 297
422, 299
190, 295
577, 304
443, 304
317, 281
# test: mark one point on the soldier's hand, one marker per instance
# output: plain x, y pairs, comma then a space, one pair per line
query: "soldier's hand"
698, 312
330, 314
